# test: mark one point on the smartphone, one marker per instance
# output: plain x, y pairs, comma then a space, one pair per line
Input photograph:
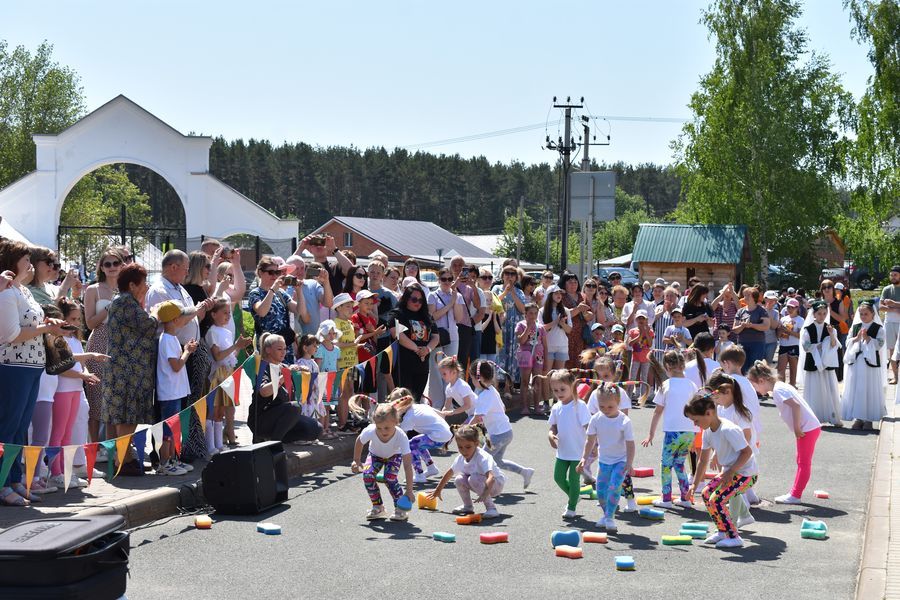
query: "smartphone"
227, 252
317, 240
290, 280
68, 328
313, 272
465, 272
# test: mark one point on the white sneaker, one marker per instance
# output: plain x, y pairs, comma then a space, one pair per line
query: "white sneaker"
170, 468
432, 470
400, 515
684, 503
102, 457
57, 481
462, 509
786, 499
745, 521
184, 466
81, 471
39, 486
491, 513
77, 482
420, 478
735, 542
376, 512
569, 514
527, 474
601, 523
611, 526
630, 506
715, 538
663, 504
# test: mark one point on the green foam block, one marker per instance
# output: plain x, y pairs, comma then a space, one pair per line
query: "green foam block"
443, 536
699, 526
698, 534
813, 534
677, 540
813, 525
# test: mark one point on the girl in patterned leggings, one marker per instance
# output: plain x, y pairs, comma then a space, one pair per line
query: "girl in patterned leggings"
734, 455
388, 449
434, 432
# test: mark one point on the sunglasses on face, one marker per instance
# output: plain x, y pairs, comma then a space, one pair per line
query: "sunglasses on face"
510, 274
109, 265
359, 275
590, 285
547, 277
408, 267
446, 279
270, 272
415, 300
52, 264
485, 277
824, 287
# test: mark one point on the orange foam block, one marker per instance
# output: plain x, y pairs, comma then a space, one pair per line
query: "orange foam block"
468, 519
594, 537
821, 494
494, 537
642, 472
202, 522
569, 552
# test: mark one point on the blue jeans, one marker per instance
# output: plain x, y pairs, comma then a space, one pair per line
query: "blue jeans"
755, 351
476, 345
770, 351
18, 393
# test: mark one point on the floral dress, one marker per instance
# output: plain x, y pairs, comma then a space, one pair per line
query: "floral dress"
277, 320
506, 356
576, 341
130, 376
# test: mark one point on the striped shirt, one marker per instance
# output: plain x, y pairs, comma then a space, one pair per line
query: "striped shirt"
662, 321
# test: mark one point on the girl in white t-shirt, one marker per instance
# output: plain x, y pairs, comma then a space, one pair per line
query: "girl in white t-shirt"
223, 348
609, 430
388, 449
733, 454
678, 431
458, 396
697, 370
475, 470
490, 410
568, 420
798, 416
431, 426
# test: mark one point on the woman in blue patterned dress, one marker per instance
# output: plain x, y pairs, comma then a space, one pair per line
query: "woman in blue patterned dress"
271, 306
513, 300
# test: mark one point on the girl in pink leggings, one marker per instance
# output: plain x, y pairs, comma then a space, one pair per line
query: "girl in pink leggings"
67, 399
797, 414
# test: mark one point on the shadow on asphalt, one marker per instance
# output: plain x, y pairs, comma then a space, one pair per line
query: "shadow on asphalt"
848, 431
815, 510
764, 549
395, 530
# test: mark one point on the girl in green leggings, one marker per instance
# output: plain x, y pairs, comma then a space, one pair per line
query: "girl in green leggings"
568, 422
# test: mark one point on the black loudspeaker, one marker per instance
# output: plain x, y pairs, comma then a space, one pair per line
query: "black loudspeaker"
246, 480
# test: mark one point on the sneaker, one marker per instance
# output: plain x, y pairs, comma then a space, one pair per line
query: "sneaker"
432, 470
630, 506
77, 482
38, 486
569, 514
462, 510
663, 504
684, 503
400, 515
376, 512
102, 456
527, 474
786, 499
601, 523
420, 478
611, 526
81, 471
170, 468
715, 538
857, 425
491, 513
587, 480
735, 542
745, 521
57, 481
184, 466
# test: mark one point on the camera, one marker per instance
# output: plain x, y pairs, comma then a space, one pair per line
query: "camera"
227, 252
317, 240
465, 272
290, 280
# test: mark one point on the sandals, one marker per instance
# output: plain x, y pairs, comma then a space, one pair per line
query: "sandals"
20, 489
8, 497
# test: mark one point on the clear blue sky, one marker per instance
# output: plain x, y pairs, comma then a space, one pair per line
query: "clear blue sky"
401, 73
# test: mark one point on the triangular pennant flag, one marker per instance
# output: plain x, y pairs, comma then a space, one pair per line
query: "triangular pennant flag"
361, 369
329, 384
122, 450
110, 446
297, 385
373, 366
90, 459
68, 460
251, 367
139, 439
305, 382
287, 374
200, 407
239, 387
345, 373
321, 384
50, 454
389, 356
10, 455
174, 423
398, 328
185, 418
211, 402
32, 453
274, 373
157, 433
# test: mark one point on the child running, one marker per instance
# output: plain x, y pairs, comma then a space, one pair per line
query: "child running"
611, 430
431, 426
476, 471
388, 449
568, 419
678, 430
532, 339
457, 392
489, 409
798, 416
733, 454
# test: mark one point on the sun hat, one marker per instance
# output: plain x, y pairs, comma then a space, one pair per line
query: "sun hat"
364, 295
326, 327
793, 302
618, 327
839, 286
641, 313
342, 298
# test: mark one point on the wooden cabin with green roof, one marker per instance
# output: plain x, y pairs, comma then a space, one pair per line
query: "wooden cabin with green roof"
675, 252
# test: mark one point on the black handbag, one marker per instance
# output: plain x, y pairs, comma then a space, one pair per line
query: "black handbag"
59, 355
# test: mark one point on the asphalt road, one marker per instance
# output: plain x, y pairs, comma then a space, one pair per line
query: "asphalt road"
328, 550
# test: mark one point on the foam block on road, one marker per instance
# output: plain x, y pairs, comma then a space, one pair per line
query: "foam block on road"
594, 537
646, 500
569, 551
677, 540
494, 537
625, 563
697, 534
565, 538
821, 494
468, 519
426, 503
203, 522
652, 513
813, 525
700, 526
813, 534
642, 472
443, 536
268, 528
404, 503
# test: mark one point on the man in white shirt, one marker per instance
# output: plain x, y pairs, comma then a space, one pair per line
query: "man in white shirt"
174, 272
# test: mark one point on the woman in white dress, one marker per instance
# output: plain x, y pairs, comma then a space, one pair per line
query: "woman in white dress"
863, 398
819, 359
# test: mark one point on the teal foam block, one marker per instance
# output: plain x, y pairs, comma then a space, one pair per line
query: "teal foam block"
404, 503
443, 536
813, 534
698, 526
625, 563
697, 534
565, 538
268, 528
813, 525
652, 513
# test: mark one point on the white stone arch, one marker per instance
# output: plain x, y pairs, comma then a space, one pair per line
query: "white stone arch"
120, 131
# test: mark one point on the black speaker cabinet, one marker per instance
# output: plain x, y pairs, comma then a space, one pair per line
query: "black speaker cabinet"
246, 480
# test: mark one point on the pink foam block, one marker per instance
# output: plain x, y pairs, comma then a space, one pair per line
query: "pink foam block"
494, 537
642, 472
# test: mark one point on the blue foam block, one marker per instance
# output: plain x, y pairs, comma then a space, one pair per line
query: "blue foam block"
652, 513
268, 528
565, 538
625, 563
404, 503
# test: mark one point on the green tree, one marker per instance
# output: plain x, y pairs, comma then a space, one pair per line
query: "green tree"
37, 95
875, 156
764, 147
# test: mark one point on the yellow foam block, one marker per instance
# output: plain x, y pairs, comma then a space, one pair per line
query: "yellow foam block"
646, 500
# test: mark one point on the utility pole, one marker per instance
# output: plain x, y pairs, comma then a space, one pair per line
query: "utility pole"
588, 230
519, 237
565, 145
547, 254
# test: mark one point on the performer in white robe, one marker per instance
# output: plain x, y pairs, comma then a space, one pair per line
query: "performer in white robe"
863, 397
819, 361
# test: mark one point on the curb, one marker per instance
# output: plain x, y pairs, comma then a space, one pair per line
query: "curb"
152, 505
872, 580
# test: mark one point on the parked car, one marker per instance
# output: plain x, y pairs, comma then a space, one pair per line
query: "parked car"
779, 277
430, 280
629, 277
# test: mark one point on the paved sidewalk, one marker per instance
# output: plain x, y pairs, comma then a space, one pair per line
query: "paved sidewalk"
879, 575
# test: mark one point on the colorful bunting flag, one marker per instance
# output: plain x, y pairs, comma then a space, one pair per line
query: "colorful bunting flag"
110, 447
10, 455
174, 423
373, 366
389, 356
288, 376
321, 385
139, 439
305, 382
200, 407
90, 459
32, 453
329, 384
157, 432
185, 418
69, 453
122, 450
51, 453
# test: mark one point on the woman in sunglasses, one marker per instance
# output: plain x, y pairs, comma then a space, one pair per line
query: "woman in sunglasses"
417, 341
357, 279
46, 273
839, 317
271, 306
446, 307
97, 299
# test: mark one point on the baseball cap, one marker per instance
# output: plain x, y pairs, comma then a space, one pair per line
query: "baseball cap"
596, 326
793, 302
169, 311
839, 286
895, 269
791, 291
552, 290
641, 313
676, 309
618, 327
364, 295
771, 294
340, 299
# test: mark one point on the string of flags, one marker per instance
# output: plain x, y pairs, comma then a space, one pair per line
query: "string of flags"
239, 387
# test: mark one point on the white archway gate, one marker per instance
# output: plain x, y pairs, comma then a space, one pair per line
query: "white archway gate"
120, 131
